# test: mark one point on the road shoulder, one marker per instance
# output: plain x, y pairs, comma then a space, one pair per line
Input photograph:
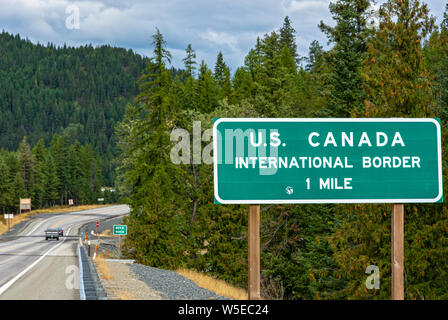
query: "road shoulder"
121, 283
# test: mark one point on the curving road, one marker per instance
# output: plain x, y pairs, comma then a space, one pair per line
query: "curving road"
33, 268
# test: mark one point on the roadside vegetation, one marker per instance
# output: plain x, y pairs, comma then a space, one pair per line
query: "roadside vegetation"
75, 119
215, 285
79, 93
394, 68
115, 288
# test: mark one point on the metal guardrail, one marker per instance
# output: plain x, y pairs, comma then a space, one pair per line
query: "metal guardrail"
91, 284
82, 293
126, 261
90, 287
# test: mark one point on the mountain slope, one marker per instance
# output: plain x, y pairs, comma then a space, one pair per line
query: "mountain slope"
81, 92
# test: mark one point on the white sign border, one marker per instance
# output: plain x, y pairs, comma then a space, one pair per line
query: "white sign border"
320, 201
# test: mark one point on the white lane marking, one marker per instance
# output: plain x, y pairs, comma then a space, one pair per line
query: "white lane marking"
34, 229
28, 250
17, 277
12, 281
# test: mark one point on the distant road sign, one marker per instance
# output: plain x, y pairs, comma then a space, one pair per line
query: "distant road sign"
70, 202
9, 216
120, 230
327, 161
25, 204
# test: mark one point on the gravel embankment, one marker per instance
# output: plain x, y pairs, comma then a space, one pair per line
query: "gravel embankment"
123, 284
171, 285
167, 284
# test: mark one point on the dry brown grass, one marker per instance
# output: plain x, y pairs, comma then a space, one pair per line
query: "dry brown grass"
105, 273
16, 220
102, 267
63, 209
106, 233
124, 295
218, 286
60, 209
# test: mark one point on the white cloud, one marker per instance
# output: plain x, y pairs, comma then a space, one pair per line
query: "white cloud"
230, 26
221, 38
292, 6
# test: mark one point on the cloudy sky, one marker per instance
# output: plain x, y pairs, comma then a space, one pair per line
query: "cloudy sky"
231, 26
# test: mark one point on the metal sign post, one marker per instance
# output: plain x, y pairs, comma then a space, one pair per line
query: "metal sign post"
298, 161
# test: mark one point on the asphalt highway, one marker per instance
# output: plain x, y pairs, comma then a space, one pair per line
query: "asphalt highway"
32, 268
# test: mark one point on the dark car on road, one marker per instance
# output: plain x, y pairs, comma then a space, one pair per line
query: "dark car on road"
51, 234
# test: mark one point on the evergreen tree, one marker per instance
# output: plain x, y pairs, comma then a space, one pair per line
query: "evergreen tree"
275, 76
189, 61
18, 190
189, 93
161, 54
315, 56
349, 36
226, 87
51, 181
243, 84
206, 89
157, 217
288, 39
436, 62
59, 152
398, 85
39, 153
76, 174
5, 188
220, 67
26, 160
444, 24
397, 80
80, 92
222, 77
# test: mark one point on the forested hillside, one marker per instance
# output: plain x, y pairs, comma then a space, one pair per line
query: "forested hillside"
78, 92
49, 176
397, 69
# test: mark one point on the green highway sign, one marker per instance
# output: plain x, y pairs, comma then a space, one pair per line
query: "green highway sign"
120, 230
367, 160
